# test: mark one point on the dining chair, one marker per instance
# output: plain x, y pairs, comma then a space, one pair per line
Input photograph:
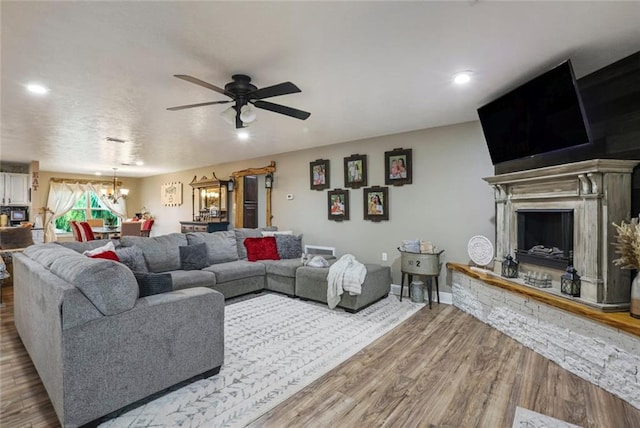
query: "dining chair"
82, 231
130, 228
146, 227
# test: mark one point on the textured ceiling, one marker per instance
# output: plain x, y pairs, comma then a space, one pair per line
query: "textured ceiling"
365, 69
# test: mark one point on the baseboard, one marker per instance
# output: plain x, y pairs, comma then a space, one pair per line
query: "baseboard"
446, 298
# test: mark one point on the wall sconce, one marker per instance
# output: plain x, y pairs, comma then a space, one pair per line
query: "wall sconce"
268, 181
509, 267
570, 282
231, 184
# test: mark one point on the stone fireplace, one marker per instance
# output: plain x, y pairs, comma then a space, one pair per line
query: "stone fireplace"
548, 217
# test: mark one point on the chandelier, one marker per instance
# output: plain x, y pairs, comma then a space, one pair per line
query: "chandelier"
114, 194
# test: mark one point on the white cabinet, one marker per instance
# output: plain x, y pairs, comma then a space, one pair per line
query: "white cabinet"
14, 189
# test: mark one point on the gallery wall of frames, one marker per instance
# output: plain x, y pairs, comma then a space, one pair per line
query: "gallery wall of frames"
398, 169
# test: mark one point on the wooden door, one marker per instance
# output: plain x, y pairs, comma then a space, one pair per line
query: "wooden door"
250, 202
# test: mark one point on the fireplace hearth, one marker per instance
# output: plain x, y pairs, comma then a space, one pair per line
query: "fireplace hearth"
550, 217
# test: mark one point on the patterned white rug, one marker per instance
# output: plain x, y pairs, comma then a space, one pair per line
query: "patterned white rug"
274, 347
526, 418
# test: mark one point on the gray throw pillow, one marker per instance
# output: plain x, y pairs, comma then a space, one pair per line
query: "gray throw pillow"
153, 283
132, 258
193, 257
289, 246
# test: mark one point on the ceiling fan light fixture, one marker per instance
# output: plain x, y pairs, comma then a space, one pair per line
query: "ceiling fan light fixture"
247, 114
229, 115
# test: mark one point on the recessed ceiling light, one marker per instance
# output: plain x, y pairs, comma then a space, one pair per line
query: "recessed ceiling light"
139, 163
462, 77
243, 135
98, 173
37, 89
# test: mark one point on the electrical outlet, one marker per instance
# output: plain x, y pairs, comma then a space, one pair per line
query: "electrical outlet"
384, 257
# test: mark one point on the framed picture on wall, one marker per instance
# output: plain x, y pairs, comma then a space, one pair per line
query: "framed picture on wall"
376, 203
355, 171
319, 174
338, 204
397, 167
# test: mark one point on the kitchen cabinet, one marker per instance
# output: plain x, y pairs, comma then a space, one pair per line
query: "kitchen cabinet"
14, 189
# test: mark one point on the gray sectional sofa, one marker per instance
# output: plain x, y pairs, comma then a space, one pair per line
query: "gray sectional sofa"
98, 346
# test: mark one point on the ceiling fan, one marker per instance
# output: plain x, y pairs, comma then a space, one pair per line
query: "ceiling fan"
244, 93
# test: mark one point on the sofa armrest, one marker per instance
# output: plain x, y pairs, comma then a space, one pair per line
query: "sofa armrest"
163, 340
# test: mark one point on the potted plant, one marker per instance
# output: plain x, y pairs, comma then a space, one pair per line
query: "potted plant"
628, 247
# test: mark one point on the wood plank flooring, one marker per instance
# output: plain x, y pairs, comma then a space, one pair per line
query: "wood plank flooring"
441, 368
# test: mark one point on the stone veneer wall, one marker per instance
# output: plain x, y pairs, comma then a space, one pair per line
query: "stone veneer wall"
604, 356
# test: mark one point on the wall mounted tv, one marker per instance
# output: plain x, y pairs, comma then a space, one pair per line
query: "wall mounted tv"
543, 115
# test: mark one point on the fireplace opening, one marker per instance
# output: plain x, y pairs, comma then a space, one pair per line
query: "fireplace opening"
545, 237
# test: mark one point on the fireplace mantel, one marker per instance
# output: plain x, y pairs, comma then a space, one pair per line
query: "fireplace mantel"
599, 193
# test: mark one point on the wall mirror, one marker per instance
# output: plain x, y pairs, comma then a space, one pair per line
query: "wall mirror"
243, 196
211, 196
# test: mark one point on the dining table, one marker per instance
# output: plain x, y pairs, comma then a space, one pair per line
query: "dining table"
105, 232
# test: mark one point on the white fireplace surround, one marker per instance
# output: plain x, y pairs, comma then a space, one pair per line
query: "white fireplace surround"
599, 193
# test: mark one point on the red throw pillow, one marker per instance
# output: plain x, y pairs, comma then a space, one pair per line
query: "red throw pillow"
109, 255
261, 248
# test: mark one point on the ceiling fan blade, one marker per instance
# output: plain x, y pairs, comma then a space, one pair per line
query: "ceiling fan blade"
278, 108
204, 84
197, 105
273, 91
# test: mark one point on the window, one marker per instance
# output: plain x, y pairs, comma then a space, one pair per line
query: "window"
88, 206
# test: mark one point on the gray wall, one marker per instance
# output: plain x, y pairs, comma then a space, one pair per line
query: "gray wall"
447, 203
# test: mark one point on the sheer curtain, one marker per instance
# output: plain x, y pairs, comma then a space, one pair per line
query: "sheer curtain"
119, 208
62, 197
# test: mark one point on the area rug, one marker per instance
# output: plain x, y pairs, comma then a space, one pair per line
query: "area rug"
526, 418
274, 347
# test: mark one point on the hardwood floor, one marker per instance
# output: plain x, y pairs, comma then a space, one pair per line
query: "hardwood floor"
441, 368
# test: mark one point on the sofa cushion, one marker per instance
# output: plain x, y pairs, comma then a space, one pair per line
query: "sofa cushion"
221, 246
161, 253
109, 285
239, 269
101, 249
261, 248
107, 255
153, 283
285, 268
289, 246
132, 258
241, 234
46, 254
193, 257
192, 278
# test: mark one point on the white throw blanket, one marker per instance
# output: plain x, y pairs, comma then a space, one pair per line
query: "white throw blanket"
347, 274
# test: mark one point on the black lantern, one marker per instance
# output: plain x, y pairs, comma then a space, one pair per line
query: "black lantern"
268, 181
231, 184
509, 268
570, 282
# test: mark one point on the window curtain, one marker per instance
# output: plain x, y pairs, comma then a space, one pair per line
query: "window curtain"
62, 197
119, 208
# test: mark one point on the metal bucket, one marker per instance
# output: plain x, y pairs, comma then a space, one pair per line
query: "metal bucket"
417, 292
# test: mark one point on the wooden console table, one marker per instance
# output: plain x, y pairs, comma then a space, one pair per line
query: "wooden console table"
203, 226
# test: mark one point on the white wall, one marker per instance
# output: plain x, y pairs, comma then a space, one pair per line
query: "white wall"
447, 203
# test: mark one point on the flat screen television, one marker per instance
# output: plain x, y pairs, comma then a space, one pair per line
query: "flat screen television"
543, 115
